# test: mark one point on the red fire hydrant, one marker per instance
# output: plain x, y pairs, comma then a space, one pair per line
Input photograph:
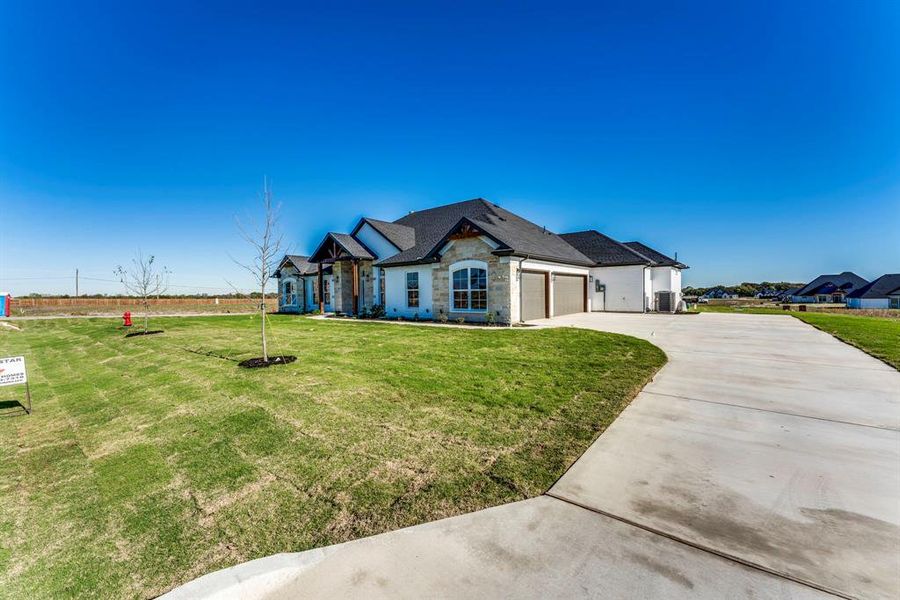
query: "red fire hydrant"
127, 318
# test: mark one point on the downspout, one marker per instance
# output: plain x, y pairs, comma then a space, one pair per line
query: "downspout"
644, 289
521, 296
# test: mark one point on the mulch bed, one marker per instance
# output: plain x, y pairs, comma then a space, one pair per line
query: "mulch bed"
134, 333
258, 363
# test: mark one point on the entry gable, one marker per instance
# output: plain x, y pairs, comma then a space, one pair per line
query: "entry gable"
463, 230
340, 246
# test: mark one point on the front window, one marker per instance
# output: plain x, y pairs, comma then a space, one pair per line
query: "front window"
895, 302
289, 292
326, 291
381, 287
470, 289
412, 290
822, 298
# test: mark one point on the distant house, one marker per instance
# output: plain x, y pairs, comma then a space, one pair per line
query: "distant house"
785, 295
719, 294
884, 292
826, 289
767, 293
475, 261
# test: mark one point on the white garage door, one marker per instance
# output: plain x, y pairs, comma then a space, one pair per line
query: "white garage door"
568, 294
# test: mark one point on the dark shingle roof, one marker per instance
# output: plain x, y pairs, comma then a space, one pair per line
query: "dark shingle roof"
659, 259
514, 234
603, 250
401, 236
845, 281
353, 246
301, 263
788, 292
880, 288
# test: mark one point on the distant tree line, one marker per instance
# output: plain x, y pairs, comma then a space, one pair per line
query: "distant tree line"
745, 289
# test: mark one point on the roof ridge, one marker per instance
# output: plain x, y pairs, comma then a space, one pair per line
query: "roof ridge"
440, 206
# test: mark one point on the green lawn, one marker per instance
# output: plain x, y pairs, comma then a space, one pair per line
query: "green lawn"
879, 336
150, 461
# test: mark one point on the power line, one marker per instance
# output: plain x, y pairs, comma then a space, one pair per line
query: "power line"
31, 278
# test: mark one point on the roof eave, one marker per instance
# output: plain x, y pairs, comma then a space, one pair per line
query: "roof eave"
553, 259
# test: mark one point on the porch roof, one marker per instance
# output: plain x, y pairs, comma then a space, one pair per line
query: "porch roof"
340, 246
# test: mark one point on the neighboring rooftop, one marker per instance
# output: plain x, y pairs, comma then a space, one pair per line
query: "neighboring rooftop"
884, 286
826, 284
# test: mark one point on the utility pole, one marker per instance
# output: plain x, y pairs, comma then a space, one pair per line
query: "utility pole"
76, 282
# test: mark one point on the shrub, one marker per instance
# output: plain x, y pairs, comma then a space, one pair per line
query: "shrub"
461, 320
377, 311
489, 318
442, 317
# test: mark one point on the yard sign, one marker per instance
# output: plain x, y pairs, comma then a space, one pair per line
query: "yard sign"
12, 372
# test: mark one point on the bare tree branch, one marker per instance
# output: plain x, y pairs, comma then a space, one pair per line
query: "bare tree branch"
266, 241
144, 280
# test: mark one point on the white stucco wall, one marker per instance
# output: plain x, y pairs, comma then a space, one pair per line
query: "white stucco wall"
868, 303
395, 292
375, 242
625, 287
665, 279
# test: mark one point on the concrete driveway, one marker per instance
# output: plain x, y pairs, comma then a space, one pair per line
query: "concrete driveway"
762, 462
763, 440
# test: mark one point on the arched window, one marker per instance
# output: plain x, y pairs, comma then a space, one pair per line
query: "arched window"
468, 286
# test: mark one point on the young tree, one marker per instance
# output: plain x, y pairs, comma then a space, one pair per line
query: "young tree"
266, 241
144, 280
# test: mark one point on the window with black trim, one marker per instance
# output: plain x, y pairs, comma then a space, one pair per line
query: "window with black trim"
289, 292
470, 289
412, 290
326, 291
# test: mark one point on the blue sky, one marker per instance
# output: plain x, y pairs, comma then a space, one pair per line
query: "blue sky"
757, 140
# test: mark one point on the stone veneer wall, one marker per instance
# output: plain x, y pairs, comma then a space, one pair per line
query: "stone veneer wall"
367, 274
343, 285
342, 295
498, 274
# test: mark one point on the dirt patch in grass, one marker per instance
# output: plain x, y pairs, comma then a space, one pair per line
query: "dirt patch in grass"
262, 363
137, 333
145, 465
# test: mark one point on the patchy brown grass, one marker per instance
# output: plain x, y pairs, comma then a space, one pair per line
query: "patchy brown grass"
151, 460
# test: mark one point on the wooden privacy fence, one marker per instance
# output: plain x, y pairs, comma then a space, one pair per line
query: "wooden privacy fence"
42, 302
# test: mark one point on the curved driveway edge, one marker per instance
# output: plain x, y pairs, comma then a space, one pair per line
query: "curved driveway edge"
762, 462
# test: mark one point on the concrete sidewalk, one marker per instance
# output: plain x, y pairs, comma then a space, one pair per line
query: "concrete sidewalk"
762, 462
